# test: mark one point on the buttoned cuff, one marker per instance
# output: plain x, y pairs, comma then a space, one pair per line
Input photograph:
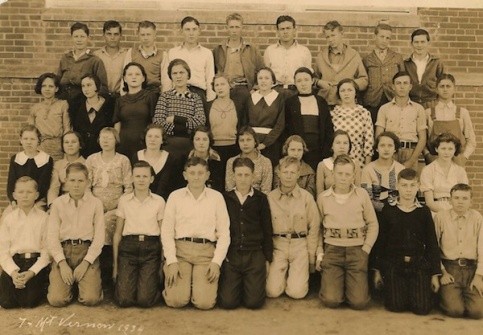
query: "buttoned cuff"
58, 258
367, 248
10, 267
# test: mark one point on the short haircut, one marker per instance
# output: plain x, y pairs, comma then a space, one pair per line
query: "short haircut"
293, 138
95, 78
140, 67
266, 68
341, 132
79, 26
287, 161
444, 76
193, 161
178, 61
392, 136
77, 167
112, 131
146, 24
111, 24
234, 17
401, 74
188, 19
218, 76
43, 76
143, 164
79, 137
345, 81
285, 18
203, 129
407, 174
27, 179
448, 138
32, 128
333, 25
154, 126
243, 161
382, 26
303, 70
420, 32
461, 187
344, 160
247, 130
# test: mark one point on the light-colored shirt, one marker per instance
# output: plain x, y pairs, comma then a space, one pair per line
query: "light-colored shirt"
50, 118
446, 112
141, 217
405, 121
205, 217
114, 65
284, 62
201, 63
296, 212
421, 66
433, 178
350, 223
21, 233
59, 176
70, 222
460, 236
243, 198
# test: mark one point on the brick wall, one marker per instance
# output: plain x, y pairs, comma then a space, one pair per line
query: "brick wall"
33, 37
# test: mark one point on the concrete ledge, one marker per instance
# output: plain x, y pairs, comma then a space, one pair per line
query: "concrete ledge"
261, 14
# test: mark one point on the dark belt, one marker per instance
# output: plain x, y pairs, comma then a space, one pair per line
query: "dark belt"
75, 242
291, 235
28, 255
196, 240
141, 238
462, 262
408, 145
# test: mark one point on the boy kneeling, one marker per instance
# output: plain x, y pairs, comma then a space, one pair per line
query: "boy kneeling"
23, 253
75, 240
407, 260
137, 242
350, 230
460, 235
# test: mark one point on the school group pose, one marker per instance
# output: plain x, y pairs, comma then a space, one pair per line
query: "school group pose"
225, 177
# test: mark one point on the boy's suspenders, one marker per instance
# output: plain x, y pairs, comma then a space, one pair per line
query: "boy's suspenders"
449, 126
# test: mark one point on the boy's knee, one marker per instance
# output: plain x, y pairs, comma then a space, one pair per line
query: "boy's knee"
58, 301
228, 303
274, 291
359, 305
421, 310
254, 303
123, 302
204, 303
146, 301
297, 293
331, 303
176, 302
90, 299
475, 313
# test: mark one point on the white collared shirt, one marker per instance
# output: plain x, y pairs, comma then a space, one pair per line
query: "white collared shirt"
205, 217
70, 222
420, 66
284, 62
242, 198
40, 159
22, 233
141, 217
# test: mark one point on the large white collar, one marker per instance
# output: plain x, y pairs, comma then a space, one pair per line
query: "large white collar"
40, 159
269, 98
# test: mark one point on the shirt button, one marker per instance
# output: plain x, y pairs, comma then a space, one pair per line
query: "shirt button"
241, 222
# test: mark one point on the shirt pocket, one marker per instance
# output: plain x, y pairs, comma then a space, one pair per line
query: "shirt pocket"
300, 222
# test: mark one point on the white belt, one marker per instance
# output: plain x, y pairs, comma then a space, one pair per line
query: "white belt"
262, 130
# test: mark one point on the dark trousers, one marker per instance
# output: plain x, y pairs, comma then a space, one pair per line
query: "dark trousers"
407, 287
105, 263
34, 292
138, 279
243, 278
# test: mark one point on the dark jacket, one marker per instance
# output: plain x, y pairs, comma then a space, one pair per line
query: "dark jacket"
424, 91
250, 223
294, 124
380, 76
90, 131
251, 61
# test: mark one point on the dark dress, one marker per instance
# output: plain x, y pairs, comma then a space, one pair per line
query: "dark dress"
135, 113
88, 130
168, 174
317, 131
38, 168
